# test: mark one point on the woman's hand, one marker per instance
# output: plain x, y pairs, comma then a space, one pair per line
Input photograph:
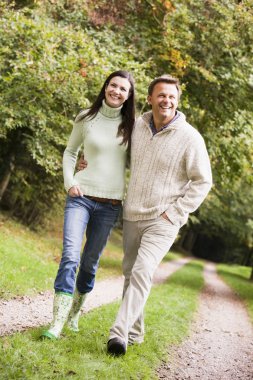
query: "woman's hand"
75, 191
82, 163
164, 216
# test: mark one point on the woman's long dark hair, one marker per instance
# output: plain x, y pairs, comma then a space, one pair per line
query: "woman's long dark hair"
128, 110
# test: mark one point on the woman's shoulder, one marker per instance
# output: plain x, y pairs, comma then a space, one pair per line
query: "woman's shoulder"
81, 115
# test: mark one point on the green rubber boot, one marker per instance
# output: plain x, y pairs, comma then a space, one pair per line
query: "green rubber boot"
74, 314
61, 307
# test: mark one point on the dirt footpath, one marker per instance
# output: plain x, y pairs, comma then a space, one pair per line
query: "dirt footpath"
220, 346
24, 312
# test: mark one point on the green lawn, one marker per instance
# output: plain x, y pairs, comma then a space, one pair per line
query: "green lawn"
169, 312
30, 260
237, 277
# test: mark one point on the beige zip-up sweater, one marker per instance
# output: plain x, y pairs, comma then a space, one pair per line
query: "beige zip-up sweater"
170, 171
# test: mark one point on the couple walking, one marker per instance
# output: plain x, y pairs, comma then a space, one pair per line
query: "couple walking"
170, 177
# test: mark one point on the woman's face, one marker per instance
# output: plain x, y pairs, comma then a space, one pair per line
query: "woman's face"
117, 91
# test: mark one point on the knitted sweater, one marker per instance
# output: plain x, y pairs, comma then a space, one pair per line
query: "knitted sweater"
105, 174
170, 171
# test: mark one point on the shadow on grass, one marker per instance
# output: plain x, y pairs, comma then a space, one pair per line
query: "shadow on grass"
243, 279
174, 255
188, 279
109, 263
116, 238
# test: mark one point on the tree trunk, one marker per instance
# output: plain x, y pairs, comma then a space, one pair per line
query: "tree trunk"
251, 276
250, 262
7, 175
251, 258
180, 241
189, 240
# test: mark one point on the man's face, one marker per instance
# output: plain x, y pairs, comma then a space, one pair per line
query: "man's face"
164, 101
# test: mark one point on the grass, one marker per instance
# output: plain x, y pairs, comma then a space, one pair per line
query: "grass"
30, 260
169, 312
237, 277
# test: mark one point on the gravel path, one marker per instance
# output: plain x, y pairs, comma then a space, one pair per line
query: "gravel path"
220, 345
21, 313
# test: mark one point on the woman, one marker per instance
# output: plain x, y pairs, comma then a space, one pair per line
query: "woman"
94, 195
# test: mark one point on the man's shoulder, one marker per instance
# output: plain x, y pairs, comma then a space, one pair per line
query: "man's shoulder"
141, 121
188, 129
144, 118
193, 138
187, 132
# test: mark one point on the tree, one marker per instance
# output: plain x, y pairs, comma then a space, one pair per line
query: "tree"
208, 45
54, 56
49, 71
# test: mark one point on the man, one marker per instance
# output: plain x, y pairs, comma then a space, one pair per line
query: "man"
170, 177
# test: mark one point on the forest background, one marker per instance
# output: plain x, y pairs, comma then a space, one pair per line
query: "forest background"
54, 56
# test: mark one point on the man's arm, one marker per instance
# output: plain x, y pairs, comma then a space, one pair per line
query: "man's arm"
198, 170
82, 163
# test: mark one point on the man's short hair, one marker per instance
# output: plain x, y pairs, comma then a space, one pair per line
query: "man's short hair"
165, 79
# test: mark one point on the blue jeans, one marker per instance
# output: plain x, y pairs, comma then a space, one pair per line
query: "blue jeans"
98, 219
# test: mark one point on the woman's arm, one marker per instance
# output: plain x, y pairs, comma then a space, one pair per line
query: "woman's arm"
70, 156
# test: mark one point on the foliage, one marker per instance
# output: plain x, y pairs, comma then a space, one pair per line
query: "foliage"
55, 55
229, 214
208, 44
49, 72
213, 44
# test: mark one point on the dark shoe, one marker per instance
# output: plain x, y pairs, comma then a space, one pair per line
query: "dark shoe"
116, 347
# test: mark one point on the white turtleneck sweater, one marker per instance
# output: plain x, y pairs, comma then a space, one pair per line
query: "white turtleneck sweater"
104, 176
170, 171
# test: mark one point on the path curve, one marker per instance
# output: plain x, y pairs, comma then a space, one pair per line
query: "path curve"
21, 313
220, 345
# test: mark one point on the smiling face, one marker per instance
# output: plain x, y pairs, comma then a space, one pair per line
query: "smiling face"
164, 101
117, 91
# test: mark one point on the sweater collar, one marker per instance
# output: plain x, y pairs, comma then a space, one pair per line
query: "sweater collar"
175, 124
110, 112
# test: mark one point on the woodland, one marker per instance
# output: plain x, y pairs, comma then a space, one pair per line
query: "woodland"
54, 55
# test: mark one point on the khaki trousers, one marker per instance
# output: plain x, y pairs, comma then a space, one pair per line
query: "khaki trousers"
145, 243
